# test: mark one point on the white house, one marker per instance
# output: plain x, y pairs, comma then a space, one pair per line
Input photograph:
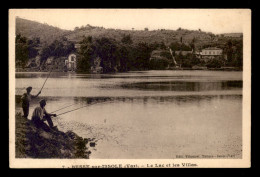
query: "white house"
71, 62
184, 53
211, 52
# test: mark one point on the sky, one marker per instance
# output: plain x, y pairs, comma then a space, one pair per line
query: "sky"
210, 20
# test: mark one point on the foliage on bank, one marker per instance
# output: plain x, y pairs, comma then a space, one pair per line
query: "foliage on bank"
124, 55
25, 49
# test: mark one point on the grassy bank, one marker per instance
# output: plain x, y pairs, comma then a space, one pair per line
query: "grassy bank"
31, 142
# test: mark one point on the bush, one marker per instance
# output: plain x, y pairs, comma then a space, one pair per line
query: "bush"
158, 64
186, 63
214, 63
21, 50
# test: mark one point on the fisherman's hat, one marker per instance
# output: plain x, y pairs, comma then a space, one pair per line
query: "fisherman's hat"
43, 101
29, 88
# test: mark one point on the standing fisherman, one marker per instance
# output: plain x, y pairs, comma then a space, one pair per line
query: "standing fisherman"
40, 115
26, 98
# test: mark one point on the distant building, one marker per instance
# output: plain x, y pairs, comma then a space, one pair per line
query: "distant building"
71, 62
184, 53
211, 53
233, 35
157, 55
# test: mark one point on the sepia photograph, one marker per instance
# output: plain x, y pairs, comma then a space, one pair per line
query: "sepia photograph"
129, 88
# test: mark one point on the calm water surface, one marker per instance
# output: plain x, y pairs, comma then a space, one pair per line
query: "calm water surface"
150, 114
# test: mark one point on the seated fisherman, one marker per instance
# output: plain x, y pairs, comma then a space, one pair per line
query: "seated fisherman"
26, 99
40, 115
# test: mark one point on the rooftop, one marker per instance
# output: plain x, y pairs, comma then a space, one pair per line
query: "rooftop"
212, 48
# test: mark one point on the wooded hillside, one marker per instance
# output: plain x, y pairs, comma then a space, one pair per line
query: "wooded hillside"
47, 33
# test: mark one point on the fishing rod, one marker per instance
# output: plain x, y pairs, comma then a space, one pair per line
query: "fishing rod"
79, 108
63, 108
46, 79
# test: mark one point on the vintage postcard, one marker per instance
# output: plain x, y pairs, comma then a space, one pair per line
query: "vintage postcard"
129, 88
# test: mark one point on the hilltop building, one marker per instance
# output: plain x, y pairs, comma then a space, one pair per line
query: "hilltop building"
158, 55
233, 35
160, 59
209, 53
71, 62
184, 53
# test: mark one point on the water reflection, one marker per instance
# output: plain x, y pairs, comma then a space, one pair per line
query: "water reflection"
179, 100
150, 100
32, 75
184, 74
184, 86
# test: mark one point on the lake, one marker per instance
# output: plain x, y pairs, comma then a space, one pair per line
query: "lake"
146, 114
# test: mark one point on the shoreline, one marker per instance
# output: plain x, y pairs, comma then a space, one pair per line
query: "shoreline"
174, 69
31, 142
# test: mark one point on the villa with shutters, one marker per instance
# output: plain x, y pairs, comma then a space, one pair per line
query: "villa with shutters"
211, 53
71, 62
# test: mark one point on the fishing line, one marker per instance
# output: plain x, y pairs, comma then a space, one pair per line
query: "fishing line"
63, 108
82, 107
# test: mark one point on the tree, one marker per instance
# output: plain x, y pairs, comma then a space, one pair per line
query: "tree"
166, 54
33, 46
45, 53
180, 46
159, 64
85, 55
21, 51
106, 49
162, 46
185, 47
58, 48
126, 39
186, 63
142, 56
195, 60
214, 63
123, 55
234, 51
192, 44
175, 46
229, 51
154, 46
239, 53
